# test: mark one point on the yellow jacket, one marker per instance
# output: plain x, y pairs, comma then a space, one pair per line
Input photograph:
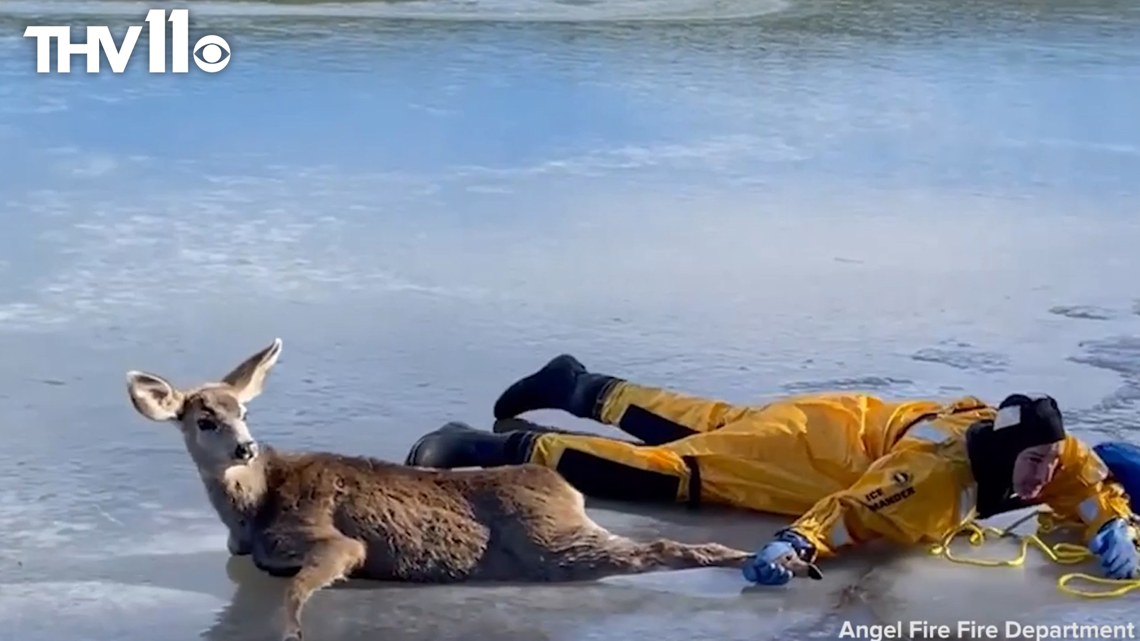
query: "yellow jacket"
921, 488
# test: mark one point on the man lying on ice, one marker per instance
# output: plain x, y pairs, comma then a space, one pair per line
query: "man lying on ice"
850, 467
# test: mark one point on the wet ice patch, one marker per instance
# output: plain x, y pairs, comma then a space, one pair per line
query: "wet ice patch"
106, 611
163, 532
1120, 354
697, 582
29, 315
944, 593
686, 624
918, 586
1114, 414
35, 527
72, 161
963, 356
457, 10
877, 383
1097, 612
1084, 312
187, 540
32, 525
240, 236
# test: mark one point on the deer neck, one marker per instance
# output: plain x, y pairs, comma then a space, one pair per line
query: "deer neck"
237, 493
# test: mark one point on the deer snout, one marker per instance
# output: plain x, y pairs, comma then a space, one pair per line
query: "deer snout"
245, 451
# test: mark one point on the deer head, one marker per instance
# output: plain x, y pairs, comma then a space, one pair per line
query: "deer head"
211, 417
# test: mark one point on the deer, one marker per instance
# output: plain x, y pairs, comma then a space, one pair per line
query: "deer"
317, 518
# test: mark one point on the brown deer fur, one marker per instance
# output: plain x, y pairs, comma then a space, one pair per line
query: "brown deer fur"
321, 517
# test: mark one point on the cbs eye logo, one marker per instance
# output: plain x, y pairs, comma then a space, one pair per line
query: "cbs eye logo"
211, 54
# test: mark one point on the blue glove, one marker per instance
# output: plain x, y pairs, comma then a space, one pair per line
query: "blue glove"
1117, 551
767, 567
764, 569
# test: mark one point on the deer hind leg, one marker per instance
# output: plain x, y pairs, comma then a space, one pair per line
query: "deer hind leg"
588, 549
593, 552
667, 554
328, 560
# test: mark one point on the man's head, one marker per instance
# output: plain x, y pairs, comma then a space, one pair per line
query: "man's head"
1033, 469
1015, 456
1031, 430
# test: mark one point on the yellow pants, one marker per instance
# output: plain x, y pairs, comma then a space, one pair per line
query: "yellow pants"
780, 458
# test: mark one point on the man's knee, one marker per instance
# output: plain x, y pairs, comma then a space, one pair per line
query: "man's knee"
654, 415
650, 428
603, 478
608, 469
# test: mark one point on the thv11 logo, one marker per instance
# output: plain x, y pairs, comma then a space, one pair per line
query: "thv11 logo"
214, 50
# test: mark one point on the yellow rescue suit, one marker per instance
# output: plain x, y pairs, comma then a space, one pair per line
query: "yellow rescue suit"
851, 467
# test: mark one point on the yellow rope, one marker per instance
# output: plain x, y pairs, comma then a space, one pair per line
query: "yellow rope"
1061, 553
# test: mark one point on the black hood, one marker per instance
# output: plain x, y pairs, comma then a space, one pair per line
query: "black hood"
1022, 422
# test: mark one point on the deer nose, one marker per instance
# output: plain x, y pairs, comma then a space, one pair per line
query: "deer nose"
245, 451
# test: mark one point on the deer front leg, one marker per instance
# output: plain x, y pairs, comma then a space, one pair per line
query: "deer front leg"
328, 560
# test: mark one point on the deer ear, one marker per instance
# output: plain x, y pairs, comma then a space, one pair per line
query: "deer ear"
153, 396
248, 379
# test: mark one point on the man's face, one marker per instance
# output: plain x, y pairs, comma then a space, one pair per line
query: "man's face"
1034, 468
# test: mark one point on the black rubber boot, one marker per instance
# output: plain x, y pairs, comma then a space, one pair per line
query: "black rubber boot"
562, 384
460, 445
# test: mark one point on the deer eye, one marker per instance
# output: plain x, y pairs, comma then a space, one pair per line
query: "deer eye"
206, 424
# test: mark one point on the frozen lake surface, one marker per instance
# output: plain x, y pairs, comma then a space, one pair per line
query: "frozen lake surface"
425, 200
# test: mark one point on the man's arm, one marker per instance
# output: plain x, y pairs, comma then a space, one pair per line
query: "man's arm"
908, 495
904, 497
1080, 490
